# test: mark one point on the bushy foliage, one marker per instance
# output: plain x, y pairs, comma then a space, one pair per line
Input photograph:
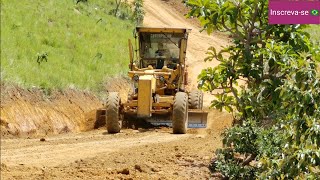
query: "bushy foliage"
276, 109
300, 153
121, 10
138, 12
124, 10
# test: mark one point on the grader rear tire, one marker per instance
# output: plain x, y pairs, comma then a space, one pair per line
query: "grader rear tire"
195, 99
180, 113
201, 100
113, 113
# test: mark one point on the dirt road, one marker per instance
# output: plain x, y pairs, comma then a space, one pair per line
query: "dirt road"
137, 154
131, 154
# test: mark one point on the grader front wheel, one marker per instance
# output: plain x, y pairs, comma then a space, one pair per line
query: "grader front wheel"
113, 113
180, 113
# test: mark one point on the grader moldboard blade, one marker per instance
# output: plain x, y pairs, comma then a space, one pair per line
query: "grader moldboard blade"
196, 119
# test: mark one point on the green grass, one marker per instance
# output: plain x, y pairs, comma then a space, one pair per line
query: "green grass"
314, 31
84, 44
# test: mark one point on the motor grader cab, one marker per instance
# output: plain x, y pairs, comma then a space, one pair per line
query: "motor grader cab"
159, 74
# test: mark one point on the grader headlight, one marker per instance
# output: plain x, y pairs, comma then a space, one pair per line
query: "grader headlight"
135, 78
162, 79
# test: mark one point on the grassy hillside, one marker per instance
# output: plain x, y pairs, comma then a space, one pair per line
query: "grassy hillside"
314, 31
78, 45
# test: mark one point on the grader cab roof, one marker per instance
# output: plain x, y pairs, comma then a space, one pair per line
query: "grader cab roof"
160, 47
163, 30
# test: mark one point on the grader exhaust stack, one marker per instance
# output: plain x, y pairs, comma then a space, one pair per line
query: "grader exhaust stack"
159, 75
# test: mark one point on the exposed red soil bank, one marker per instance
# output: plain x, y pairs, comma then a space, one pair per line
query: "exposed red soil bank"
31, 112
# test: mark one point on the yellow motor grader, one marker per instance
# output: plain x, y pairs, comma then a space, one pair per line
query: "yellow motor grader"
159, 74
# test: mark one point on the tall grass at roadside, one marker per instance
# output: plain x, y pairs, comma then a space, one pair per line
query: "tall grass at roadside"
58, 44
314, 31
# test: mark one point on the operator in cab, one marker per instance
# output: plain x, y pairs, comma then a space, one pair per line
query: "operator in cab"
162, 54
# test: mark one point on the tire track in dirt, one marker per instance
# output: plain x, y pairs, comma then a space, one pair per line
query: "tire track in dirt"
53, 152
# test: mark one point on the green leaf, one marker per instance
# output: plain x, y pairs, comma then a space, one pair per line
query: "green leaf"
228, 109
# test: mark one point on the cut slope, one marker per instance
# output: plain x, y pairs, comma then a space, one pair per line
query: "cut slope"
30, 112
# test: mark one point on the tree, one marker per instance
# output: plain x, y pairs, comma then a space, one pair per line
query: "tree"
118, 3
138, 12
267, 58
